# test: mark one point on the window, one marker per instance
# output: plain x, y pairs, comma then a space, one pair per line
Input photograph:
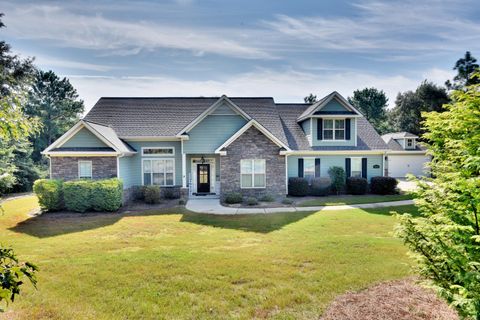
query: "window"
252, 172
333, 129
356, 167
410, 143
85, 169
309, 168
159, 172
158, 151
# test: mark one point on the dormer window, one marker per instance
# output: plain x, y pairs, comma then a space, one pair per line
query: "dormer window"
409, 143
333, 129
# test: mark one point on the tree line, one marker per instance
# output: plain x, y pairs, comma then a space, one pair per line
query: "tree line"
36, 107
406, 115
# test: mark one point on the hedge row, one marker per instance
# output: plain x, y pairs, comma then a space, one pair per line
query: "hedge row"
79, 195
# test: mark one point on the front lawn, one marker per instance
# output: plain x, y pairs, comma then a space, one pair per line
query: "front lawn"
351, 199
180, 265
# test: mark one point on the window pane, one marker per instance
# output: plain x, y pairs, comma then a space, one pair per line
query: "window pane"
246, 181
328, 134
85, 169
339, 134
339, 124
259, 181
246, 166
328, 124
309, 165
259, 166
158, 166
356, 164
158, 151
169, 178
158, 179
147, 179
169, 166
147, 166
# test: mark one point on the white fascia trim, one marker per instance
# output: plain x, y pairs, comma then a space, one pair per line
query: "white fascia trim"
212, 108
321, 104
408, 152
245, 128
82, 154
333, 152
100, 136
155, 138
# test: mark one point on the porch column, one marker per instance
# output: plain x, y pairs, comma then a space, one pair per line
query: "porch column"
184, 170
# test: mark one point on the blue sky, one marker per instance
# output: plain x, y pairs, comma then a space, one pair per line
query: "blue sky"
284, 49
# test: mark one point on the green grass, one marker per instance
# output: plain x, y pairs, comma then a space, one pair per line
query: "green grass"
180, 265
351, 199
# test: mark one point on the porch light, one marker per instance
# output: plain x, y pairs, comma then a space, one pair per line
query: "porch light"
202, 159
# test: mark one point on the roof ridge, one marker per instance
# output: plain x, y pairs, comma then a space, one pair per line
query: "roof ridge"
200, 97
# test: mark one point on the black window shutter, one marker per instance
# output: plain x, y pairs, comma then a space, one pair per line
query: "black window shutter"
317, 167
300, 167
319, 129
364, 168
348, 167
347, 129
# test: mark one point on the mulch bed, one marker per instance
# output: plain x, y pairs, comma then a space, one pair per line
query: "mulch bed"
392, 300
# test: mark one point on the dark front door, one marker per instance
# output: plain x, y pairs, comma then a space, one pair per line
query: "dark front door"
203, 178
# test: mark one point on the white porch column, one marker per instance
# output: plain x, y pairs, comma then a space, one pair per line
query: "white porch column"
184, 170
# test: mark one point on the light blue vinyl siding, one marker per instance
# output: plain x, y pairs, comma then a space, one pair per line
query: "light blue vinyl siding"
306, 126
324, 143
84, 138
212, 132
334, 105
131, 167
224, 109
327, 161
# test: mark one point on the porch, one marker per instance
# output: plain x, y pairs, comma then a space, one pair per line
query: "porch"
201, 175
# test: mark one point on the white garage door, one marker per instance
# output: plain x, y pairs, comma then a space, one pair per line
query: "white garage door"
401, 165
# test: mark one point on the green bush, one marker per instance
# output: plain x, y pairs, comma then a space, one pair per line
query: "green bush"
251, 201
233, 197
287, 201
182, 202
297, 187
320, 186
138, 193
49, 193
78, 195
107, 194
151, 194
337, 174
171, 193
267, 198
383, 185
357, 185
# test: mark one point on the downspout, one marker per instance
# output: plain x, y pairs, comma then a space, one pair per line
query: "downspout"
286, 174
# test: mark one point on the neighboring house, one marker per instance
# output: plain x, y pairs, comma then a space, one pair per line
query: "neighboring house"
217, 145
406, 155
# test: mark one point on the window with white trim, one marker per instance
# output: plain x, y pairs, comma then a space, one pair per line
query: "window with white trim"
356, 167
333, 129
309, 168
85, 169
252, 173
158, 151
409, 143
159, 172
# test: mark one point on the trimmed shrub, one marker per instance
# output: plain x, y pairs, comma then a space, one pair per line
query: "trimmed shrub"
137, 193
151, 194
337, 174
78, 195
287, 201
49, 193
320, 186
267, 198
107, 194
357, 185
233, 197
383, 185
251, 201
297, 187
182, 202
171, 193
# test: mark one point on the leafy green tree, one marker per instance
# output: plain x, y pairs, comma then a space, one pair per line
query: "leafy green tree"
465, 67
311, 98
445, 239
372, 103
407, 113
55, 102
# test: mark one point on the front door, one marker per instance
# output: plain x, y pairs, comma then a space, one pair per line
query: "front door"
203, 178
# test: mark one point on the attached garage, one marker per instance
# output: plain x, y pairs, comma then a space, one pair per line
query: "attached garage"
399, 165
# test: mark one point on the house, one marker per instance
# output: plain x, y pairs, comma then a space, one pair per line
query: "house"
406, 155
220, 145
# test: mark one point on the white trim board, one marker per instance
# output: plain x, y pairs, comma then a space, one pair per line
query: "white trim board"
245, 128
323, 102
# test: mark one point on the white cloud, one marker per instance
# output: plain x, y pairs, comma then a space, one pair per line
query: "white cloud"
288, 86
49, 63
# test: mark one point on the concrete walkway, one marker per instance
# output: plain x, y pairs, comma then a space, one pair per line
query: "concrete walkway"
213, 206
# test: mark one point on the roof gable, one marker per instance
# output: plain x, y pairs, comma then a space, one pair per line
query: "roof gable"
332, 104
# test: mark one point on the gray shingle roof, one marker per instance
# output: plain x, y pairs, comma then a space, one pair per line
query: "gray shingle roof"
398, 135
395, 146
368, 138
161, 117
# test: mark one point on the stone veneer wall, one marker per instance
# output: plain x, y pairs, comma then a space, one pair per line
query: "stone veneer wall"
253, 144
66, 168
